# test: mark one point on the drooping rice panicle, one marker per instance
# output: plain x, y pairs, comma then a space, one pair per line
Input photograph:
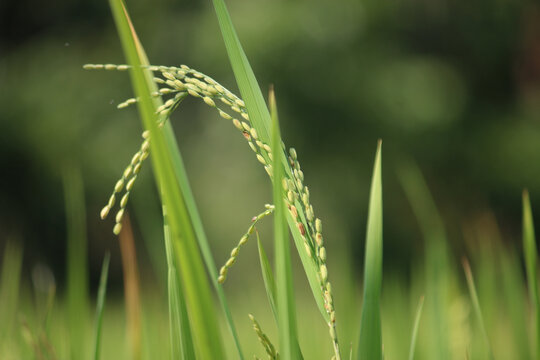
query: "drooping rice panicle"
265, 342
234, 253
126, 183
182, 81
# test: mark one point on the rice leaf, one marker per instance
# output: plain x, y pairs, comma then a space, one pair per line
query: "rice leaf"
199, 300
247, 83
515, 300
100, 307
531, 261
416, 326
268, 277
436, 258
476, 305
370, 345
180, 330
284, 281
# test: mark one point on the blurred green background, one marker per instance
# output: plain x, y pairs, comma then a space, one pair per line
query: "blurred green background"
451, 85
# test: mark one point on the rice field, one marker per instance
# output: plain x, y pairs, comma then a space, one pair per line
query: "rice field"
301, 297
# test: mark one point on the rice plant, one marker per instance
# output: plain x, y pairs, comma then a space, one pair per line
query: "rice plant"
445, 316
159, 91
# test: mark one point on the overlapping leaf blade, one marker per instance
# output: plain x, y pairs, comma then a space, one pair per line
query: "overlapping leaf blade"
370, 345
199, 300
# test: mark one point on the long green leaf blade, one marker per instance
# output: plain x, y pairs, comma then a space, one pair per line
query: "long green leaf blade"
284, 281
370, 346
476, 305
100, 306
416, 326
268, 277
436, 262
247, 83
203, 319
180, 330
514, 290
531, 260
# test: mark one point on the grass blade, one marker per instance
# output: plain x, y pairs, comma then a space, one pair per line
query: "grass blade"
284, 282
268, 277
476, 305
529, 248
77, 269
416, 326
515, 301
180, 330
370, 346
436, 266
100, 307
247, 83
199, 300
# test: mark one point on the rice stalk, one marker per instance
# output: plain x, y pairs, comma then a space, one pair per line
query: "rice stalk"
100, 306
284, 281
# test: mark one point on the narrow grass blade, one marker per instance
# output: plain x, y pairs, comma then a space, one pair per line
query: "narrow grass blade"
180, 330
515, 300
268, 277
9, 291
416, 326
531, 260
284, 282
77, 268
247, 83
436, 266
370, 346
100, 307
476, 305
203, 318
132, 296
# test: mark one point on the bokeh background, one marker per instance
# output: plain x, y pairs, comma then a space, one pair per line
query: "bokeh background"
453, 86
